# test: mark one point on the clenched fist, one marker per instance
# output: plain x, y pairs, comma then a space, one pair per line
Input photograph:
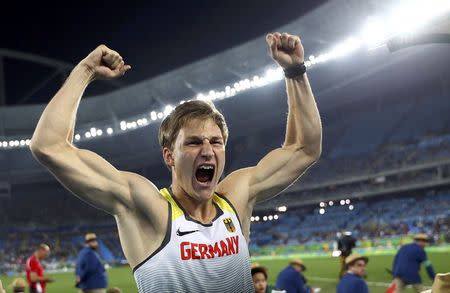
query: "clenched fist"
285, 49
104, 63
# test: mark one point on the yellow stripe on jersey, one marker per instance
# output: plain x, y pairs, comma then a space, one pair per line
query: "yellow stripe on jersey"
176, 210
223, 204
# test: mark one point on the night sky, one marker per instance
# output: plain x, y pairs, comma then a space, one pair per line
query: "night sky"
153, 36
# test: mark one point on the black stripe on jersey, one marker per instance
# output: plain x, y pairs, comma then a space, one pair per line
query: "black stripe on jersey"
165, 241
232, 206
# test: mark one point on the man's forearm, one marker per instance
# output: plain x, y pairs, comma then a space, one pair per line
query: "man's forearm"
304, 128
55, 127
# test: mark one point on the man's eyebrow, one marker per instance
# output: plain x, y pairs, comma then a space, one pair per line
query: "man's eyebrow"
216, 137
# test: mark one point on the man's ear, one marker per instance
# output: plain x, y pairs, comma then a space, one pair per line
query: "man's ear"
168, 157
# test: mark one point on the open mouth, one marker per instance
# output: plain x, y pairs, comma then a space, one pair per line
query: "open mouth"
205, 173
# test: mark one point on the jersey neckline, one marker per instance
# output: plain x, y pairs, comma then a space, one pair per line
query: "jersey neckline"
219, 211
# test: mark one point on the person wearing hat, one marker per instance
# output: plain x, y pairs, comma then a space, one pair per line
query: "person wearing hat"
291, 279
406, 266
345, 243
441, 284
90, 272
18, 285
353, 281
114, 290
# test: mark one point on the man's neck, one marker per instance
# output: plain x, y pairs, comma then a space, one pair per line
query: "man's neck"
202, 211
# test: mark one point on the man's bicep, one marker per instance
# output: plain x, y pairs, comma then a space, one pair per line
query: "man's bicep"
91, 178
277, 171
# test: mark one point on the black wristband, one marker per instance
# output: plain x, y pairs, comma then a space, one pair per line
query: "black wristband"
295, 70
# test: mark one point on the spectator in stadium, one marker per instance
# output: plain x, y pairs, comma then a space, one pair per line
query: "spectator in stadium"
259, 276
441, 284
18, 285
345, 243
90, 272
353, 280
193, 138
291, 279
37, 282
114, 290
407, 261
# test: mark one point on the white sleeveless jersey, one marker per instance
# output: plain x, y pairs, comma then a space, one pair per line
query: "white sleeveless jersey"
195, 257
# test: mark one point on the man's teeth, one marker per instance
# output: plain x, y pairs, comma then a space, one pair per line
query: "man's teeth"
206, 167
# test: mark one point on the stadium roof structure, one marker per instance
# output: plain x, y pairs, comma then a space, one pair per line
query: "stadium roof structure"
352, 77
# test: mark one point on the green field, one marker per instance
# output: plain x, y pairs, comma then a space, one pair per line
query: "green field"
322, 272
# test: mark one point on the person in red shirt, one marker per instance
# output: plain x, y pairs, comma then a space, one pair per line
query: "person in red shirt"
35, 272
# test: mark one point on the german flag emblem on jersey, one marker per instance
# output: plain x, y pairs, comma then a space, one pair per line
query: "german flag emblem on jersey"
229, 224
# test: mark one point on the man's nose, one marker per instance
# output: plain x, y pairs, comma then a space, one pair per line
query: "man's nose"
207, 150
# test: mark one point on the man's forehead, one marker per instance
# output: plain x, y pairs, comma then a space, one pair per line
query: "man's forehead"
201, 128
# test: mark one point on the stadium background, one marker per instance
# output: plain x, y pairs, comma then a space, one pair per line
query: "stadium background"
385, 167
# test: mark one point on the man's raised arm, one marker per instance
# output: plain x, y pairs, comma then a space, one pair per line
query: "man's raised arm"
303, 140
83, 172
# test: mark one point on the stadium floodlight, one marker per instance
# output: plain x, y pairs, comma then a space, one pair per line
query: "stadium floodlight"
401, 21
346, 47
257, 218
351, 207
322, 204
252, 218
275, 217
331, 203
374, 32
22, 142
99, 132
347, 201
109, 130
414, 14
342, 202
270, 218
265, 218
322, 211
282, 209
274, 74
77, 136
27, 141
168, 109
87, 135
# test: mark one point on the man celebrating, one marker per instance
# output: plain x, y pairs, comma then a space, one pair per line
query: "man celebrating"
90, 272
406, 266
353, 280
191, 237
35, 272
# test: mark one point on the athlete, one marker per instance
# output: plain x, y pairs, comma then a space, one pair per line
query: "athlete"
193, 235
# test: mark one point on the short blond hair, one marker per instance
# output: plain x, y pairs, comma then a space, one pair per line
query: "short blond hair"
188, 111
